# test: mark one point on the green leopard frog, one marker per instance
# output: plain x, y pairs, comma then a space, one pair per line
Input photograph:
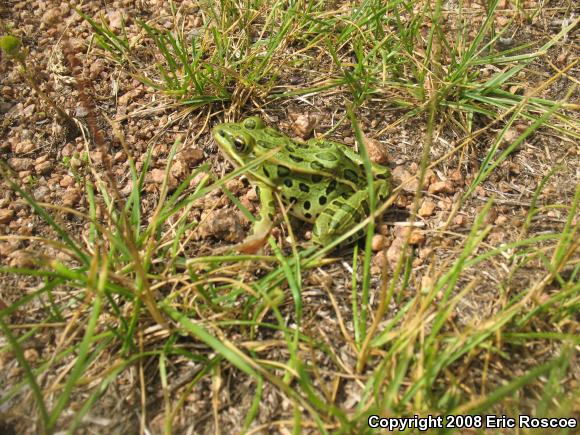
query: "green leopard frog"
319, 181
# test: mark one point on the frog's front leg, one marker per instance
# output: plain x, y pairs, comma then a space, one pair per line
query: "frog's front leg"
263, 224
341, 214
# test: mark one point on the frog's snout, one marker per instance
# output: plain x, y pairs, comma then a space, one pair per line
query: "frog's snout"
222, 134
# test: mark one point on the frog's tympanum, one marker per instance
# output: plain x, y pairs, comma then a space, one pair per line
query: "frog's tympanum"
319, 181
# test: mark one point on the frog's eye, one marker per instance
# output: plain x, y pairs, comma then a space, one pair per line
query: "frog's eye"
240, 144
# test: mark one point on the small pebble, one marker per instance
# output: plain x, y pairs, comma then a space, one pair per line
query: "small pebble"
441, 187
6, 215
427, 208
66, 181
379, 242
417, 238
304, 125
24, 147
21, 163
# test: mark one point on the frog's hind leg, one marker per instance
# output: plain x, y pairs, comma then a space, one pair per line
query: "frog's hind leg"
341, 214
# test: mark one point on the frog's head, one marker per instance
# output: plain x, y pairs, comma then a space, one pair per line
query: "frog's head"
238, 139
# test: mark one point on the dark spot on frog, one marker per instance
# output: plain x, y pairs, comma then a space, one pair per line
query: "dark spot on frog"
348, 208
350, 175
266, 144
322, 200
257, 188
307, 215
316, 178
293, 199
296, 158
334, 224
271, 216
304, 188
266, 173
316, 166
288, 182
283, 171
329, 211
307, 205
366, 207
290, 148
331, 187
329, 157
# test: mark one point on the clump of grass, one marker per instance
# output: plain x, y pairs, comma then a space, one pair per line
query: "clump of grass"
207, 65
240, 52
